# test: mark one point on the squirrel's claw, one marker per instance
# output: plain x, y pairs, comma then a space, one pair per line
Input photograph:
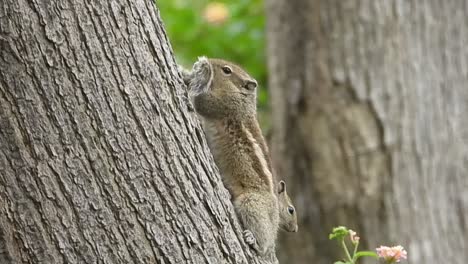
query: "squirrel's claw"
250, 239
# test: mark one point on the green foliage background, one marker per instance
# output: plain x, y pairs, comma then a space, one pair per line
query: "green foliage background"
241, 38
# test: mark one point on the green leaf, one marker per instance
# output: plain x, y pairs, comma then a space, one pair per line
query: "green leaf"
365, 254
338, 233
340, 262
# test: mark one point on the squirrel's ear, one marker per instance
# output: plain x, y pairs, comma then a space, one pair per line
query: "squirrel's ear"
186, 75
201, 76
281, 187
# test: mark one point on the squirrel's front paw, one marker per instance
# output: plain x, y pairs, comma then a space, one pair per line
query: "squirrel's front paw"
250, 239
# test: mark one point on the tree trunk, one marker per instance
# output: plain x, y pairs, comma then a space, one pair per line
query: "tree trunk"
101, 160
369, 123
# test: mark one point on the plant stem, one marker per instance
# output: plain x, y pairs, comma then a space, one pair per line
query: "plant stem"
355, 250
346, 251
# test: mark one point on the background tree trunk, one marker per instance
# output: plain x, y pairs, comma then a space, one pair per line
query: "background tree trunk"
369, 123
100, 159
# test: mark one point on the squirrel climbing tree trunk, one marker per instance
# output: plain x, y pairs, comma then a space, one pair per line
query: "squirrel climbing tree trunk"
101, 160
369, 124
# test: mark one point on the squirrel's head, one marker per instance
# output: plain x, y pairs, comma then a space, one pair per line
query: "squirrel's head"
288, 215
221, 89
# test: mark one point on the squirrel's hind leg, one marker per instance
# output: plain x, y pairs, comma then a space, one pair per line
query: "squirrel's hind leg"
259, 217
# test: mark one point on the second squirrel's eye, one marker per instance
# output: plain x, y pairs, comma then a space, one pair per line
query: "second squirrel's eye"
227, 70
291, 210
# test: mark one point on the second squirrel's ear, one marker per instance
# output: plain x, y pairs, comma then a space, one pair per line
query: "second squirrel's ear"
281, 187
201, 76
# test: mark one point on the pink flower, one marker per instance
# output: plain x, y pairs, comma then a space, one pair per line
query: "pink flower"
391, 254
353, 236
216, 13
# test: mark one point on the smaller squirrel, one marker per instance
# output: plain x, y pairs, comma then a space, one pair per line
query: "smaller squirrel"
224, 96
287, 211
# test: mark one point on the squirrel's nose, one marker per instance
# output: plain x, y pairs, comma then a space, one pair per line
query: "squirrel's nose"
250, 84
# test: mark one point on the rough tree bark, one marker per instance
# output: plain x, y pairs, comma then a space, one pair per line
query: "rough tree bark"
369, 123
101, 160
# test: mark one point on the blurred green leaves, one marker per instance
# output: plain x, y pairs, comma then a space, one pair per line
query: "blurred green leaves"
232, 30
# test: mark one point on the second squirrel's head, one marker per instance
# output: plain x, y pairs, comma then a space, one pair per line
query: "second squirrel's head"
287, 213
221, 89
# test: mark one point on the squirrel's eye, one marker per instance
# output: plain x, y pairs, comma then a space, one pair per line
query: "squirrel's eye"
291, 210
227, 69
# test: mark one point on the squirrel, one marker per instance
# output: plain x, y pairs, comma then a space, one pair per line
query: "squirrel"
224, 95
287, 211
